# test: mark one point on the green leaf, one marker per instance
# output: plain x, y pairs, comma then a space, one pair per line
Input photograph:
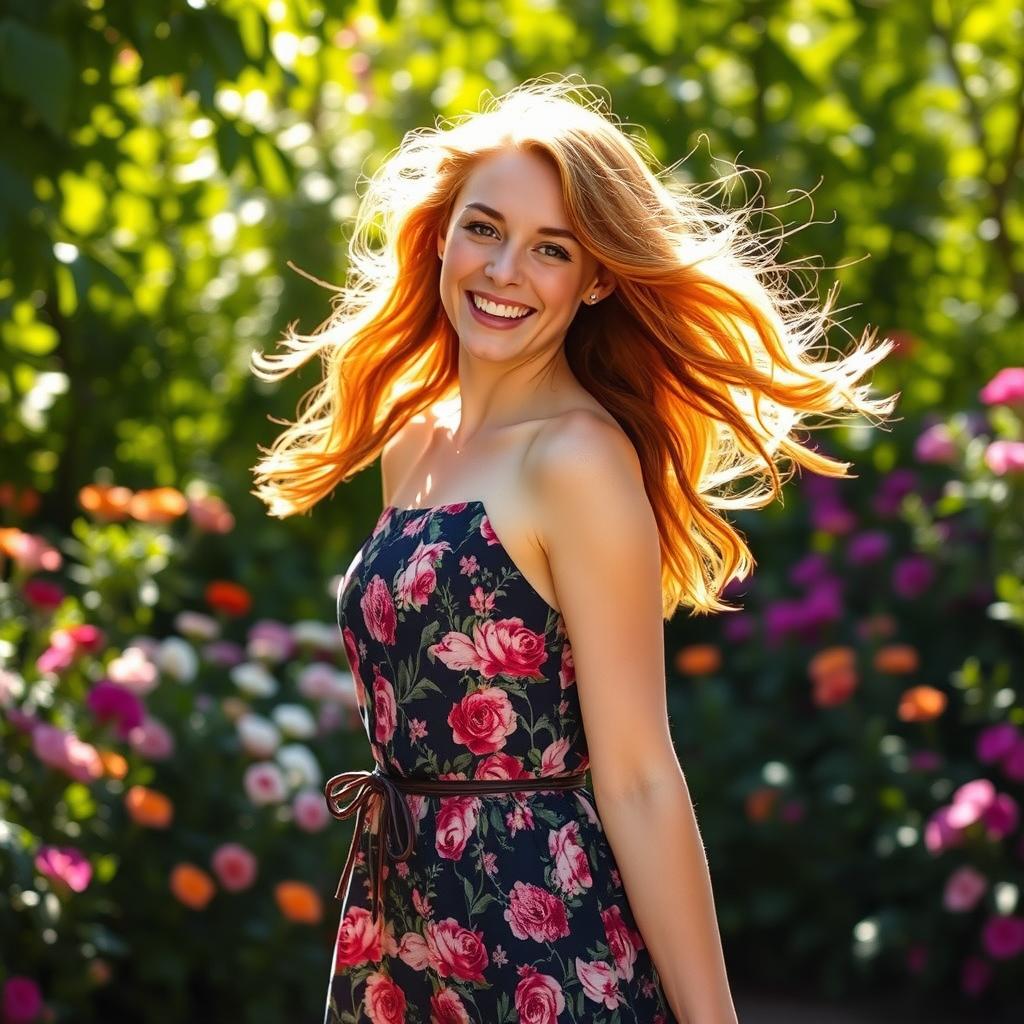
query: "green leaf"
38, 69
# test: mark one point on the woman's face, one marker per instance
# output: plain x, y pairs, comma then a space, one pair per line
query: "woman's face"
508, 246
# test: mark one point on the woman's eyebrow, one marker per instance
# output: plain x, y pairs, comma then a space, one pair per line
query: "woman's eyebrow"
557, 232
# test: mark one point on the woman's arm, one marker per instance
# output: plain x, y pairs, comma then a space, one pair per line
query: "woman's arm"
598, 529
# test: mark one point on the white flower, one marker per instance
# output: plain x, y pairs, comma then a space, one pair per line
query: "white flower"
264, 783
134, 669
259, 736
12, 688
315, 680
295, 720
178, 659
252, 678
320, 635
300, 766
196, 625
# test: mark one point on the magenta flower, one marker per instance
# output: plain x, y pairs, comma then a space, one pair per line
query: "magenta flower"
867, 547
996, 741
936, 445
1001, 816
270, 640
832, 517
1005, 388
917, 958
110, 702
892, 490
224, 653
43, 594
23, 1002
808, 569
912, 576
1013, 763
939, 833
925, 761
1005, 457
1003, 936
738, 627
65, 863
963, 889
975, 975
152, 739
309, 810
970, 802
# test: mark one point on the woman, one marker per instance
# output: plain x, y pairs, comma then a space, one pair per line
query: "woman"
566, 361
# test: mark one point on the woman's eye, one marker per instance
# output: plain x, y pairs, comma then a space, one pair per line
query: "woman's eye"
549, 248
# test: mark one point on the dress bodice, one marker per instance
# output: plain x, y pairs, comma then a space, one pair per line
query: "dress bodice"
461, 668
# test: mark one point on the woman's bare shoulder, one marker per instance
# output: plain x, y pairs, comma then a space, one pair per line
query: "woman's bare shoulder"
407, 444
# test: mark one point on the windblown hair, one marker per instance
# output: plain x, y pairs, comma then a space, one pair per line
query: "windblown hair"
701, 353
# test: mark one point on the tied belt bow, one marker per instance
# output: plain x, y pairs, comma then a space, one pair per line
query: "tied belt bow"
396, 829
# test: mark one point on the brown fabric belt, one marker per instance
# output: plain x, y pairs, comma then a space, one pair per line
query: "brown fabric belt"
396, 828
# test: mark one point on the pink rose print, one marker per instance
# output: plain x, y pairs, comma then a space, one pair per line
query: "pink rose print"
352, 654
385, 711
421, 903
385, 1001
446, 1008
456, 822
483, 720
519, 818
379, 613
567, 673
572, 871
502, 647
622, 941
455, 950
412, 950
501, 766
539, 998
481, 602
599, 982
535, 914
358, 941
552, 760
419, 580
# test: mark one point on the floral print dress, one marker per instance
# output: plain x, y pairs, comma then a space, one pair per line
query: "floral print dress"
511, 907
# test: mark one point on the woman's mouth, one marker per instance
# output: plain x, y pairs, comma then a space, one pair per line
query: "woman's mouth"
501, 316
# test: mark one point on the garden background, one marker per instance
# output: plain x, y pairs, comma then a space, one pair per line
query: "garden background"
172, 684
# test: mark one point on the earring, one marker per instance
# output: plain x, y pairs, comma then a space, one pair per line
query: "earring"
593, 296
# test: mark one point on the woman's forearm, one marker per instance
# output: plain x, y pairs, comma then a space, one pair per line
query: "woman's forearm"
664, 870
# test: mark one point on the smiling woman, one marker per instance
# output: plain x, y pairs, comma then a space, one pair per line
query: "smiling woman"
566, 361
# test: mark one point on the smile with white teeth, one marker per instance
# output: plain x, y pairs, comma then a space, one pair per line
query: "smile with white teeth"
509, 312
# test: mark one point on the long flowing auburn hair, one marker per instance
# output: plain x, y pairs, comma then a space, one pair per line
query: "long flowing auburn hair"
701, 353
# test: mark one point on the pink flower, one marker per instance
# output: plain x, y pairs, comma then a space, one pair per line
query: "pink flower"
419, 578
538, 997
623, 941
65, 863
970, 801
1004, 457
1005, 388
310, 811
1001, 816
939, 833
867, 547
936, 445
359, 941
134, 669
455, 823
534, 913
152, 740
912, 576
23, 1002
456, 951
210, 513
385, 709
975, 975
264, 783
1003, 936
483, 720
447, 1008
379, 613
600, 982
1013, 762
963, 889
385, 1000
66, 752
235, 866
572, 869
31, 552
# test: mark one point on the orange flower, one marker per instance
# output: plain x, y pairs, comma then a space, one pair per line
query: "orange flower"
834, 689
230, 598
298, 902
921, 704
829, 660
698, 659
897, 659
158, 505
148, 807
192, 886
105, 501
877, 626
761, 802
114, 764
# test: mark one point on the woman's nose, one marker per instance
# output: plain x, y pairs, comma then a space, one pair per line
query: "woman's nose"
503, 267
